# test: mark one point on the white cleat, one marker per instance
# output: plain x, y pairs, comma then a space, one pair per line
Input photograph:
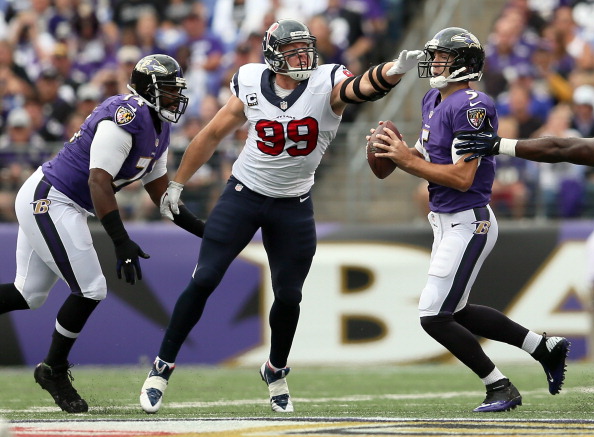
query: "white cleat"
280, 399
153, 389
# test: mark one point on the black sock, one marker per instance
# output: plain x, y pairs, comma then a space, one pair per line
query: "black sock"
498, 385
11, 299
492, 324
541, 350
59, 350
72, 316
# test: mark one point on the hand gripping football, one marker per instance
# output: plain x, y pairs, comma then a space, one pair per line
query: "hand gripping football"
381, 167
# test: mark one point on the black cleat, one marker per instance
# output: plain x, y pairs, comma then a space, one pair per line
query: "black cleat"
57, 381
553, 361
501, 396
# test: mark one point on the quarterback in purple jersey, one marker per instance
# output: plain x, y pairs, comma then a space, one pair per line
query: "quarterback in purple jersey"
293, 108
464, 227
123, 140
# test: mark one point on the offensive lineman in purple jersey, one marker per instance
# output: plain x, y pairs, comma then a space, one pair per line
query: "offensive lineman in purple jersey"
464, 227
123, 140
293, 108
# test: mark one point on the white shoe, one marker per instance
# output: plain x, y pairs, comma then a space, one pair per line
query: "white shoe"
151, 394
280, 399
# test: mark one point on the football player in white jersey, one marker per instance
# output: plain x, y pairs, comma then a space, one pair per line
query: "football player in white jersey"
293, 108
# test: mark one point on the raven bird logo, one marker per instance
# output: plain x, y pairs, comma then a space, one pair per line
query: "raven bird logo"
467, 38
150, 65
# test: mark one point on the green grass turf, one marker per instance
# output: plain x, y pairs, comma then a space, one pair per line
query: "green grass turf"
419, 391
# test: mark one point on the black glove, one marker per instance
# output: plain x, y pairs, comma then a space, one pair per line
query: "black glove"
484, 143
127, 253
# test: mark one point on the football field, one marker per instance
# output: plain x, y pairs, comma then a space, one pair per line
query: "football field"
339, 401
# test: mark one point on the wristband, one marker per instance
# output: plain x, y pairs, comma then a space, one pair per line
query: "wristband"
114, 227
508, 147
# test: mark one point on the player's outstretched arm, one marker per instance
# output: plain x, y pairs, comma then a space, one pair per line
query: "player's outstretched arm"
554, 149
376, 82
546, 149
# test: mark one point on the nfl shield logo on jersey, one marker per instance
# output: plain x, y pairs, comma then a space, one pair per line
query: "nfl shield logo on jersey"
284, 105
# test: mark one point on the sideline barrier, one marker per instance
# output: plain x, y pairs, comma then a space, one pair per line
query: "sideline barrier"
359, 302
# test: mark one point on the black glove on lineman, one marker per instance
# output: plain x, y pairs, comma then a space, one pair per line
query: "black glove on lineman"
484, 143
127, 251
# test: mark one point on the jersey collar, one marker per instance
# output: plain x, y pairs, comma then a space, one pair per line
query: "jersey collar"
285, 103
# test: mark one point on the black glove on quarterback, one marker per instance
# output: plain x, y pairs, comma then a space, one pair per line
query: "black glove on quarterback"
484, 143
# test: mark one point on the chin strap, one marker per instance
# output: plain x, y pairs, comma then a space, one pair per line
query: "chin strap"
440, 81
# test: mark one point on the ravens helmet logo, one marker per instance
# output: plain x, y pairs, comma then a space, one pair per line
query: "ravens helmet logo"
150, 65
467, 38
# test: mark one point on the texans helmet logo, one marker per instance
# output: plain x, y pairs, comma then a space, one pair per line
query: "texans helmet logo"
271, 29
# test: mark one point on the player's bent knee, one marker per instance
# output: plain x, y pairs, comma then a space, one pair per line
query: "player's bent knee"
206, 278
99, 294
435, 324
96, 290
35, 300
429, 302
95, 294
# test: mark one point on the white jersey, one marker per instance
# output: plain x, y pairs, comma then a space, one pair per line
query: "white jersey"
287, 137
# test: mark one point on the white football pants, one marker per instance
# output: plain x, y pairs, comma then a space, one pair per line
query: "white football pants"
54, 241
461, 243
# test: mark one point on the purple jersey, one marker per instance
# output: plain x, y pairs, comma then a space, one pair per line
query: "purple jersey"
69, 171
464, 110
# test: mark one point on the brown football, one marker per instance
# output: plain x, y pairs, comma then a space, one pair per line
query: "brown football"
381, 167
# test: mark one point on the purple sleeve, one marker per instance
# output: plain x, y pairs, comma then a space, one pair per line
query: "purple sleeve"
476, 113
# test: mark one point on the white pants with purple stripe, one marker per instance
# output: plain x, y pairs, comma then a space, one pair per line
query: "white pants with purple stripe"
461, 243
54, 241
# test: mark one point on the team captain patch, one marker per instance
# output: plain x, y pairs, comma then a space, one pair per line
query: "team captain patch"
476, 117
124, 115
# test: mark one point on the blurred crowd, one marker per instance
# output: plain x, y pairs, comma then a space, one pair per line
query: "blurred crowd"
540, 71
60, 58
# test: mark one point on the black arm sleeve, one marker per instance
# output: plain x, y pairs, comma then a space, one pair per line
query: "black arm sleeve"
377, 83
188, 221
114, 227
